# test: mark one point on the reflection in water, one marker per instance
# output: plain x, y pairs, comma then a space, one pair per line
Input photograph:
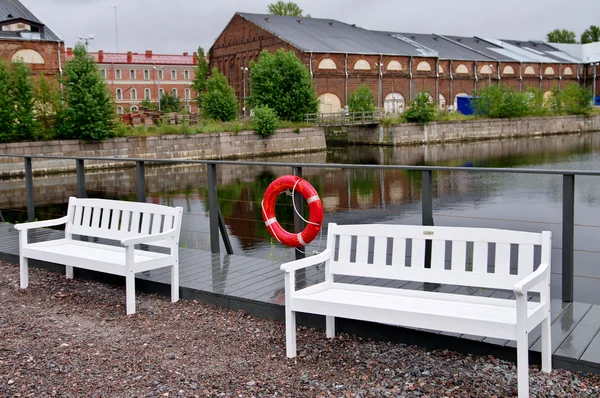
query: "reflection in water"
521, 202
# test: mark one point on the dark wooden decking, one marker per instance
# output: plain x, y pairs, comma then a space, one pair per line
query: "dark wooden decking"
256, 285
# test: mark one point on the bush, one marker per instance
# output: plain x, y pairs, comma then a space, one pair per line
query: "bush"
361, 100
539, 105
170, 103
576, 100
219, 101
265, 120
421, 110
500, 102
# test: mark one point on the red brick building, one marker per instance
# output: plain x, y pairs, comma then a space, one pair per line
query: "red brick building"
133, 77
396, 66
24, 37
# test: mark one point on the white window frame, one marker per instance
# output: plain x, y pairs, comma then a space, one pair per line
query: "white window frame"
132, 74
174, 92
173, 74
119, 110
188, 94
103, 73
161, 93
161, 76
119, 94
188, 108
146, 74
147, 94
118, 75
134, 108
186, 74
133, 94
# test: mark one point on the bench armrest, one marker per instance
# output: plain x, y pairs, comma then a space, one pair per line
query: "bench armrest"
42, 224
306, 262
149, 238
531, 280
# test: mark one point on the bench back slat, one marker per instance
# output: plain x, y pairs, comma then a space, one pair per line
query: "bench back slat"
113, 219
469, 256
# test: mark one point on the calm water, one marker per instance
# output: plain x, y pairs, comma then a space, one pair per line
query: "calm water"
520, 202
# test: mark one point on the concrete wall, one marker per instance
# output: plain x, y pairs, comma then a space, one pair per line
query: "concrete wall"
199, 146
467, 130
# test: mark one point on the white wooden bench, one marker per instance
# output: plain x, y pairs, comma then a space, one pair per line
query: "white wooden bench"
382, 251
130, 223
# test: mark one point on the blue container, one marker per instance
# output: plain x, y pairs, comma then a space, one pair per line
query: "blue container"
597, 100
463, 104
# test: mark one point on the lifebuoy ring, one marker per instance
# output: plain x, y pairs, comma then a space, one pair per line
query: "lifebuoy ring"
315, 206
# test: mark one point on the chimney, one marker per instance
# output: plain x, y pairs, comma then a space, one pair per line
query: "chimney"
100, 56
129, 57
195, 58
69, 51
149, 53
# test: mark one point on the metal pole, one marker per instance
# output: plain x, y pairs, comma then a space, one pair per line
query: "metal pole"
140, 181
213, 208
80, 168
427, 209
298, 223
568, 233
29, 188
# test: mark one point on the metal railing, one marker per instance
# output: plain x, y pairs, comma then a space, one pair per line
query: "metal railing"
217, 224
344, 118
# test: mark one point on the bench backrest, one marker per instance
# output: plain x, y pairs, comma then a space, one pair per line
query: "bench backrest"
115, 219
477, 257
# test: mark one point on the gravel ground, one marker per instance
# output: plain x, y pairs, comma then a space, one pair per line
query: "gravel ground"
72, 339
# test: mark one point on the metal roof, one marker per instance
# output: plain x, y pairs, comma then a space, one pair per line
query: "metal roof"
540, 50
13, 9
331, 36
585, 53
492, 50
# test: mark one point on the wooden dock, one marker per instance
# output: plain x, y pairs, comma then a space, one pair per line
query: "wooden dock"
256, 286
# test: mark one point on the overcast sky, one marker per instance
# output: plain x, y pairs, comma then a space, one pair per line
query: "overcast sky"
176, 26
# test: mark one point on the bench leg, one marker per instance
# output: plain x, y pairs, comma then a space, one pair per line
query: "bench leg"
24, 270
523, 365
175, 282
330, 327
69, 272
130, 292
290, 333
546, 346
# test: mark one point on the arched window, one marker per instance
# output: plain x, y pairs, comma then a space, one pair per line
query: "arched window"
424, 66
161, 93
462, 68
394, 103
508, 70
187, 93
119, 94
188, 108
327, 63
361, 64
28, 56
549, 71
529, 71
394, 65
174, 92
119, 110
440, 69
147, 93
568, 71
485, 70
134, 108
133, 94
329, 103
441, 101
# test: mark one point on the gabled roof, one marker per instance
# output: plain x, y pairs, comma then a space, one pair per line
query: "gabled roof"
330, 36
15, 10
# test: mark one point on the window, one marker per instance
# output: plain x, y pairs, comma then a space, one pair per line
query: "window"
118, 74
188, 108
462, 68
361, 64
103, 73
134, 108
549, 71
174, 92
187, 93
529, 71
394, 103
394, 65
424, 66
119, 94
440, 69
161, 92
508, 70
486, 70
133, 94
186, 75
441, 102
329, 103
132, 74
28, 56
160, 75
173, 75
146, 74
327, 64
147, 93
568, 71
120, 110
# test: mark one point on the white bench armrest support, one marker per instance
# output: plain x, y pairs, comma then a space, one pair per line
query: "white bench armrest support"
149, 238
525, 284
306, 262
41, 224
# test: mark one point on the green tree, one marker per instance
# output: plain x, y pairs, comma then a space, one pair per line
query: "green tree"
200, 76
280, 81
500, 102
576, 100
89, 111
361, 100
561, 36
591, 35
7, 108
170, 103
146, 103
420, 110
47, 106
218, 100
22, 94
285, 8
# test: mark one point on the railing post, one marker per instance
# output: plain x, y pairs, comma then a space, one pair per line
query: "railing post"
213, 208
427, 209
80, 168
29, 188
568, 233
140, 180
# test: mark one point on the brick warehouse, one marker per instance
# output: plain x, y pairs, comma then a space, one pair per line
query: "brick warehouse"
24, 37
396, 66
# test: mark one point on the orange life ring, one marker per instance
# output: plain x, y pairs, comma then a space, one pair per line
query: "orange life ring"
315, 206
